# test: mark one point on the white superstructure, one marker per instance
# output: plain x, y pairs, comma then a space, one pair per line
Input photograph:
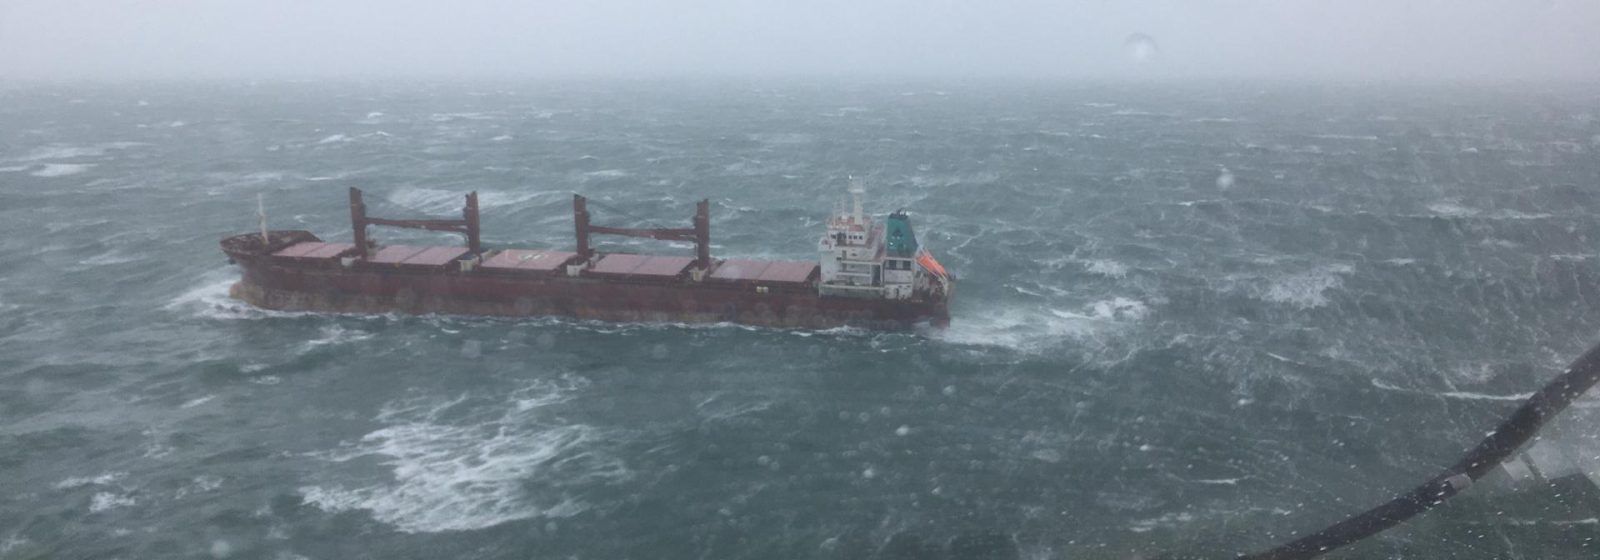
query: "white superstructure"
861, 257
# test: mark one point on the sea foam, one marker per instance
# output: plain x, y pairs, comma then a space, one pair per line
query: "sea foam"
1036, 328
472, 462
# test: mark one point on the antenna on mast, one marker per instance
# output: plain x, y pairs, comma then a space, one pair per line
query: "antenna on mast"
261, 214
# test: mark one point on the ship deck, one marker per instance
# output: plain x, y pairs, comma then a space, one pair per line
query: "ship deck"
626, 267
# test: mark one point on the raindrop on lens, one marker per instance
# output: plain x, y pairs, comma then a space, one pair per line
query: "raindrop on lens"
1141, 48
1225, 179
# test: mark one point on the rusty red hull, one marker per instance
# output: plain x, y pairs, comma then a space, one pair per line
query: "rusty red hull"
331, 286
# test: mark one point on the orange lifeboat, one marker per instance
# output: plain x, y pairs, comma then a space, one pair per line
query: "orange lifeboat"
926, 260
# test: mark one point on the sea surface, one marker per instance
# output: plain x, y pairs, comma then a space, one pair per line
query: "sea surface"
1192, 318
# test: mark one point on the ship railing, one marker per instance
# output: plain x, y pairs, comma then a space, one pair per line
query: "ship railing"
251, 243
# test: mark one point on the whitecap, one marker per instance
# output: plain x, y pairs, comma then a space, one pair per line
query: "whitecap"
447, 117
473, 462
197, 402
1107, 268
1167, 520
1031, 328
213, 285
1452, 209
62, 151
99, 480
718, 408
1026, 291
209, 299
200, 485
1119, 308
1518, 215
12, 543
978, 178
334, 138
107, 258
61, 169
107, 500
1305, 290
333, 335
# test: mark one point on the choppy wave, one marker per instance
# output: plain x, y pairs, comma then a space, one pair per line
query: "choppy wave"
191, 403
210, 297
108, 258
784, 138
440, 201
1038, 328
103, 501
72, 151
1453, 209
473, 462
1106, 267
457, 116
1305, 290
96, 480
333, 335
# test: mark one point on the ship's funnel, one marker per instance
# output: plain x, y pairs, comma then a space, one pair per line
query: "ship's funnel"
902, 241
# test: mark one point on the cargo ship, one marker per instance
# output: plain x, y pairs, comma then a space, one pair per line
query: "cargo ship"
869, 274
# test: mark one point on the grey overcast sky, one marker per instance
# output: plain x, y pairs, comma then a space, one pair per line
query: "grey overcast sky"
1348, 39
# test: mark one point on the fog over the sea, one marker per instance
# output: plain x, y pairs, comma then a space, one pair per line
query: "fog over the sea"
1360, 39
